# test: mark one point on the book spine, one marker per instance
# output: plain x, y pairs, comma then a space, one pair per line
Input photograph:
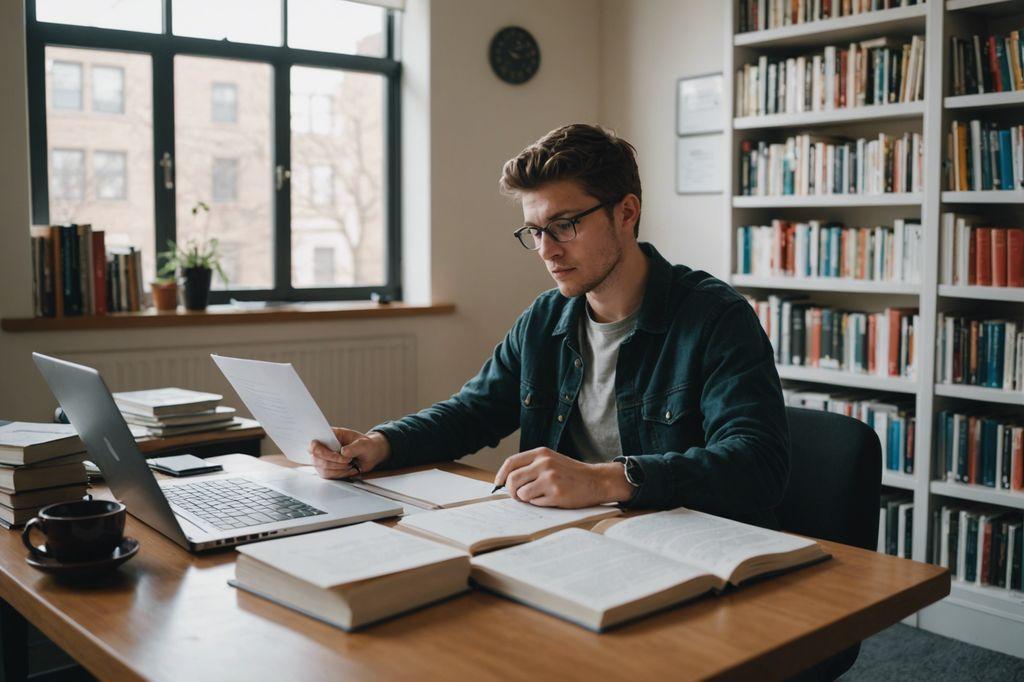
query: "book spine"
99, 272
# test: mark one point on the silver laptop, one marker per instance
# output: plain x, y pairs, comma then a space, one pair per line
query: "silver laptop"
208, 511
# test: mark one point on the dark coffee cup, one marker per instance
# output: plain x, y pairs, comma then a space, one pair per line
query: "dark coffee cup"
84, 530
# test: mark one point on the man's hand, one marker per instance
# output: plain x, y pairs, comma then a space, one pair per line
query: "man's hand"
548, 479
364, 451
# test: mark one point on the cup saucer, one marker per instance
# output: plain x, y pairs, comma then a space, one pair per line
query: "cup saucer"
128, 548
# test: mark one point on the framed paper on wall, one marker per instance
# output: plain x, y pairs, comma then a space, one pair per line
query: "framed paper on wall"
700, 105
699, 164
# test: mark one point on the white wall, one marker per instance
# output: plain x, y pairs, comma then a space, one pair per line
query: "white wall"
646, 46
460, 124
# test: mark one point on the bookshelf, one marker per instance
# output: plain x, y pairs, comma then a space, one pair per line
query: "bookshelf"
980, 614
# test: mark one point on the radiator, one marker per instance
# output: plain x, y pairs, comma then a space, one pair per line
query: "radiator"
357, 382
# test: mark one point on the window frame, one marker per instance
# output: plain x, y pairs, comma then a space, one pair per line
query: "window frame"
84, 172
124, 174
81, 84
223, 86
162, 48
92, 90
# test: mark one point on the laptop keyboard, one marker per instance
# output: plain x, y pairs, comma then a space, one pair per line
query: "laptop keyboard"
233, 503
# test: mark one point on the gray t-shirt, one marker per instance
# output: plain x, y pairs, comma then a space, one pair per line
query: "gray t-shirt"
596, 432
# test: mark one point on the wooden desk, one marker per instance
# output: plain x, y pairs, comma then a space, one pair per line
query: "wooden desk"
169, 615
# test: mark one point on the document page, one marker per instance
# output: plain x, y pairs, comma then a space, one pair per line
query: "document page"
588, 568
281, 403
344, 555
499, 519
435, 487
714, 544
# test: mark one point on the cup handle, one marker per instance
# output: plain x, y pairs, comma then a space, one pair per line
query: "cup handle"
33, 549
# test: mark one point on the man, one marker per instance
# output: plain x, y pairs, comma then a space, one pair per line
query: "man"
634, 381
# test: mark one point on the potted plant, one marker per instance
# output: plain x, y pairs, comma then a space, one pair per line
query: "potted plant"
196, 260
165, 293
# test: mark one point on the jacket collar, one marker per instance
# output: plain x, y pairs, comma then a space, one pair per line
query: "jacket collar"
654, 307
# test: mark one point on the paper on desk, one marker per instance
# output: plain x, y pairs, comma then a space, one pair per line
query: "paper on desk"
281, 403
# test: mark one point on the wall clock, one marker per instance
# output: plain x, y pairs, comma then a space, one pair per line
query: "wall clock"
515, 55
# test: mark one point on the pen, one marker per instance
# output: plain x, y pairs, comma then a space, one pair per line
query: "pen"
497, 488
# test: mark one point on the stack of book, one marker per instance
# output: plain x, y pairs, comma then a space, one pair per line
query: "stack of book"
896, 524
814, 249
872, 72
883, 344
75, 273
980, 352
891, 417
40, 464
983, 64
984, 156
174, 411
972, 255
758, 15
806, 165
982, 449
980, 545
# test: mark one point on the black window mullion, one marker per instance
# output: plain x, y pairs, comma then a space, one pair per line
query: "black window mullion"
393, 177
38, 161
283, 196
164, 198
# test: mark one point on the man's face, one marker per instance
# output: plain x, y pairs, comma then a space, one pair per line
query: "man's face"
580, 265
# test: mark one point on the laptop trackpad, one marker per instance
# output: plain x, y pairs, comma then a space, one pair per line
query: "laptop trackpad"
309, 489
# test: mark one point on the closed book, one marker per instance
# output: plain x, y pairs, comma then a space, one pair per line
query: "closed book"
353, 576
20, 479
1005, 161
970, 573
1017, 456
83, 233
34, 499
24, 443
217, 414
99, 272
168, 431
983, 256
1015, 257
159, 402
999, 257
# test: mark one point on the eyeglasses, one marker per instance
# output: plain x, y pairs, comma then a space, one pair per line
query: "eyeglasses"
560, 229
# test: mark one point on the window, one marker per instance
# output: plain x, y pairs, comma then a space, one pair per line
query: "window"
109, 170
225, 180
196, 102
225, 102
108, 89
66, 91
67, 174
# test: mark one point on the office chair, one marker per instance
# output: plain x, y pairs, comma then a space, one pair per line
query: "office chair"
835, 474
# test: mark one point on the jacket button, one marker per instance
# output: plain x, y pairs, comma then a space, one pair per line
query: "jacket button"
568, 397
526, 401
579, 363
668, 415
561, 418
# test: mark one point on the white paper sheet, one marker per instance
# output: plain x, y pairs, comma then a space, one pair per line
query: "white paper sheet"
281, 403
434, 486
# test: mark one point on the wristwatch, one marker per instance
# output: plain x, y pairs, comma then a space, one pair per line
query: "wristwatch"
634, 472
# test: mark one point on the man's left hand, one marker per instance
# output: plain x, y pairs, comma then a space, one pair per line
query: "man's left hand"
549, 479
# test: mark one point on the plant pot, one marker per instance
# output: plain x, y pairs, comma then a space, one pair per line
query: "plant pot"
165, 296
197, 287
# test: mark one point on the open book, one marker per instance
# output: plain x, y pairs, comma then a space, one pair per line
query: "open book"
627, 568
488, 525
351, 576
431, 489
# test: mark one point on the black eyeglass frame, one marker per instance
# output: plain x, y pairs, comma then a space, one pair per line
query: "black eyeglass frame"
572, 220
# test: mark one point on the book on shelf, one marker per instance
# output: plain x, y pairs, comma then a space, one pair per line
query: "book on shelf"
431, 489
981, 64
628, 568
352, 576
979, 352
984, 156
813, 165
974, 253
830, 250
896, 524
759, 15
981, 545
802, 334
483, 526
869, 73
161, 402
24, 443
982, 449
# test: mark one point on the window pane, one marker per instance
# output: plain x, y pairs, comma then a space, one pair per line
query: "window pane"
323, 266
66, 88
228, 167
109, 169
130, 15
108, 89
240, 21
338, 189
112, 156
225, 102
336, 26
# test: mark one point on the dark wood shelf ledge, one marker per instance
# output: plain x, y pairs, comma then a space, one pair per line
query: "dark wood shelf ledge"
227, 314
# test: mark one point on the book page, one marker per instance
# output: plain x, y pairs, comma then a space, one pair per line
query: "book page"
344, 555
26, 434
498, 519
588, 568
711, 543
435, 487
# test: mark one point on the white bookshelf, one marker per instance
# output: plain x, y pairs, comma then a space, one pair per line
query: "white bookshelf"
983, 615
1014, 294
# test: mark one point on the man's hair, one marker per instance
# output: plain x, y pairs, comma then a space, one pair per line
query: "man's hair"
600, 161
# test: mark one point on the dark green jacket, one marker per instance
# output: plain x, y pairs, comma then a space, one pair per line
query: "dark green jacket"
697, 393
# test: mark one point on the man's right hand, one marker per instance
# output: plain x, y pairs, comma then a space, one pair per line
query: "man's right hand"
367, 451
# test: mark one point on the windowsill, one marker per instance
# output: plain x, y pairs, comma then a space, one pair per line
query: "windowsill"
226, 314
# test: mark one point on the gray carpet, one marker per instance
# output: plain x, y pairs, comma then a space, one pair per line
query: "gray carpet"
906, 653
